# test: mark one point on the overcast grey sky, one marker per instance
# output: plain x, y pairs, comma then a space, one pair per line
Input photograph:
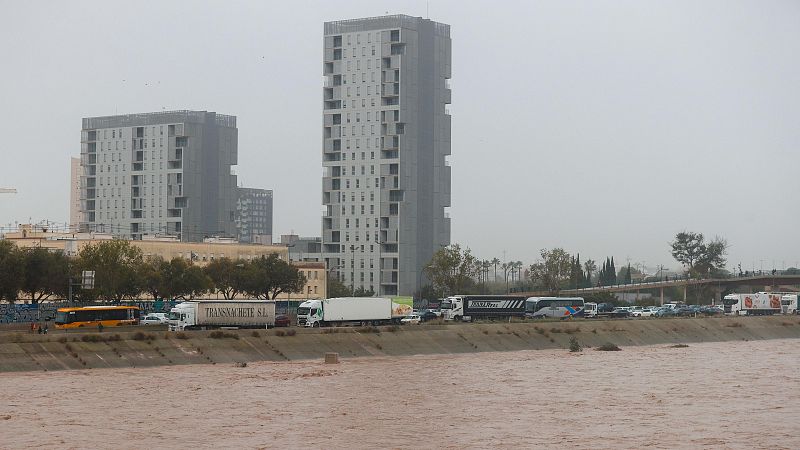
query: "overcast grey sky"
603, 127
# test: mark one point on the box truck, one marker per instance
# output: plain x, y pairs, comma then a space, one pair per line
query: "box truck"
344, 311
758, 304
209, 314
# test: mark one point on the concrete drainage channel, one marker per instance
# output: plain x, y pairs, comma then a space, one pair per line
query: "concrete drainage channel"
20, 351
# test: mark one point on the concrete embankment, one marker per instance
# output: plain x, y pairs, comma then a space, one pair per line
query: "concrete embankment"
112, 348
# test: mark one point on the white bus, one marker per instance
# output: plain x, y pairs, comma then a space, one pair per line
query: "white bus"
560, 307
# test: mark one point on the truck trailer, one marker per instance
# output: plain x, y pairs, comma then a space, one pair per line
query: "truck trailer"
210, 314
758, 304
472, 307
343, 311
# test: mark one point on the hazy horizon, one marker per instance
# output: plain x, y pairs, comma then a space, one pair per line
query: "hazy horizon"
601, 127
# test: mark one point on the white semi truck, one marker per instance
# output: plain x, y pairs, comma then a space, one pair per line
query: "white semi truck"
209, 314
758, 304
350, 311
789, 303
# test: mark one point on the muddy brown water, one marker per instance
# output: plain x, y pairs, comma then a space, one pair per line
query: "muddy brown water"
708, 395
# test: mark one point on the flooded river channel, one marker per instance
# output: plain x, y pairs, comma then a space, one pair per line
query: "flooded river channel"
713, 395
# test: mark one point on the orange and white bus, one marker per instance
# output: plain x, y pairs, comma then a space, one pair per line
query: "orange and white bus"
91, 316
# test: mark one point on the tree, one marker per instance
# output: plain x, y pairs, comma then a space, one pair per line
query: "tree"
269, 276
451, 269
361, 292
590, 266
116, 264
427, 292
11, 271
789, 271
151, 274
627, 278
227, 276
553, 271
699, 257
336, 288
495, 262
46, 273
182, 279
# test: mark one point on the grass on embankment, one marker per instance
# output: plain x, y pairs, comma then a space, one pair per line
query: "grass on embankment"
147, 347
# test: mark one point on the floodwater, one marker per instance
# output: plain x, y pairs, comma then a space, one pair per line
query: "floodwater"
716, 395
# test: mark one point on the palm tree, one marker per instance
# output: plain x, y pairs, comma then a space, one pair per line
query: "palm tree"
495, 262
590, 267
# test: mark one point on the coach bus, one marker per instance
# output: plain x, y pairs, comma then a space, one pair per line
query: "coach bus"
92, 316
560, 307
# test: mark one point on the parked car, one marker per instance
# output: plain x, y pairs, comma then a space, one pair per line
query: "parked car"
643, 312
665, 312
282, 320
428, 315
621, 312
153, 319
413, 319
711, 310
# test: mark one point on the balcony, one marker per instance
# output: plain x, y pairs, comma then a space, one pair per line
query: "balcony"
333, 104
398, 48
332, 145
331, 184
332, 81
390, 90
90, 135
390, 143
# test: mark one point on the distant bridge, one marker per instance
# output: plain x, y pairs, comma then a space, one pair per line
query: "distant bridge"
721, 284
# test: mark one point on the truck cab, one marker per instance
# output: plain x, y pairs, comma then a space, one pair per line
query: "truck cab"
452, 308
309, 313
789, 304
180, 317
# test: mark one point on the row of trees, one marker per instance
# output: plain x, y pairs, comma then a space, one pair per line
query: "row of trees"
123, 272
453, 269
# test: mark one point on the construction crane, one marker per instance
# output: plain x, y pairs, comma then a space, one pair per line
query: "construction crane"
8, 191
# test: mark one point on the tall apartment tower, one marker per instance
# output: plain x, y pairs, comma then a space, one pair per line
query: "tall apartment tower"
386, 136
75, 216
166, 173
254, 215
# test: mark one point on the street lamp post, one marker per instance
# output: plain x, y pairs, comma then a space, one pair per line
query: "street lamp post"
352, 271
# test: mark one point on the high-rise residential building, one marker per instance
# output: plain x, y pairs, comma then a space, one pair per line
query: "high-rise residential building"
386, 136
75, 216
162, 173
254, 215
